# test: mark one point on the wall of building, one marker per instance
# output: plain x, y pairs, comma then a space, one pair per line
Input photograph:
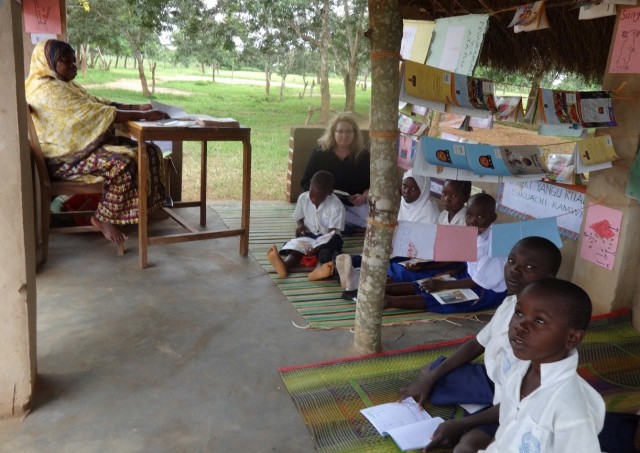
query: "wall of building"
17, 279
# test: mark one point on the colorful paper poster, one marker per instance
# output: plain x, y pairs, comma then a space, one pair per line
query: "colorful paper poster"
443, 152
625, 57
42, 16
406, 151
509, 109
408, 125
416, 38
538, 199
457, 42
530, 17
596, 109
456, 243
601, 234
505, 161
587, 108
596, 150
473, 93
505, 235
426, 82
435, 242
561, 168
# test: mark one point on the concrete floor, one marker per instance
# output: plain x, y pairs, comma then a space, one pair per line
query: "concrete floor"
181, 356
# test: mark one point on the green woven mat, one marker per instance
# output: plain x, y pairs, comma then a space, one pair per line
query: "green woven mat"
319, 302
330, 395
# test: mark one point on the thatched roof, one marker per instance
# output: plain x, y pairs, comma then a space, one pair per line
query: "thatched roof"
569, 45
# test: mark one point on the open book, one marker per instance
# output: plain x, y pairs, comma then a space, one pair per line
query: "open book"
450, 296
343, 196
410, 426
179, 116
306, 245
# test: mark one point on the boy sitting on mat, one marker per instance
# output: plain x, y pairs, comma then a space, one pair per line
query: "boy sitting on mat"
531, 259
484, 276
319, 213
545, 406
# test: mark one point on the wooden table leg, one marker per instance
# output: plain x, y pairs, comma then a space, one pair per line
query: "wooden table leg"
143, 169
203, 183
246, 197
176, 177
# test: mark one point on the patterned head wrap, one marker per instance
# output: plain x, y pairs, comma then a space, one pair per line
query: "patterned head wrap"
54, 49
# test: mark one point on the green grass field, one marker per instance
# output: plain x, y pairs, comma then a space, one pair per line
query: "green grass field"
269, 118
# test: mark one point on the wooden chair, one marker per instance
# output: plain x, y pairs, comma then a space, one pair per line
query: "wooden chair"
52, 188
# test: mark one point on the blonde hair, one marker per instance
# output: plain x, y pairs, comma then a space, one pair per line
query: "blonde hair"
327, 141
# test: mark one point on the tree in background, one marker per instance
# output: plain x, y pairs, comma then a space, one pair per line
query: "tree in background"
204, 34
349, 46
100, 24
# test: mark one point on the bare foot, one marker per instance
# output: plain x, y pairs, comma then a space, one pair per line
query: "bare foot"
110, 231
276, 261
321, 272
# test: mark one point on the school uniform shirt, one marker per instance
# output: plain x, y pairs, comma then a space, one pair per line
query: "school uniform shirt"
459, 219
487, 272
564, 414
329, 215
498, 355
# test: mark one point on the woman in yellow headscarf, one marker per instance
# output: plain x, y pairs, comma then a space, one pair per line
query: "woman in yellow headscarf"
76, 134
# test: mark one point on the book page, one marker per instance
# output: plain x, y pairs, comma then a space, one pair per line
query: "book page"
387, 416
173, 111
454, 296
416, 435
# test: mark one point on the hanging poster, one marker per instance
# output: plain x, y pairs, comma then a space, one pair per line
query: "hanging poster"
406, 151
625, 57
457, 42
42, 16
538, 199
600, 236
416, 38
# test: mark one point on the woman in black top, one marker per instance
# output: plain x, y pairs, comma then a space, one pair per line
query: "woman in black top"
341, 152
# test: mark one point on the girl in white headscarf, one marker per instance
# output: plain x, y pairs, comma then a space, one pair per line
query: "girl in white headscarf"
416, 204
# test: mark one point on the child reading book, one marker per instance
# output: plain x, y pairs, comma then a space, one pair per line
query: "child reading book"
484, 276
455, 195
320, 216
415, 206
531, 259
545, 406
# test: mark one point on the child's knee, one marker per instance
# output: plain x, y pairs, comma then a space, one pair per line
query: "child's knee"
472, 441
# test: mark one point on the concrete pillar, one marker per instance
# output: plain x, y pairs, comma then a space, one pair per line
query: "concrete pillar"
17, 249
610, 290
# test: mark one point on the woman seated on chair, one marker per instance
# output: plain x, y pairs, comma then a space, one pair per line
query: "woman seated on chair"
78, 141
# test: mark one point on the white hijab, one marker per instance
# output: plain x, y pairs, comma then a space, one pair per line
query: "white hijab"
423, 210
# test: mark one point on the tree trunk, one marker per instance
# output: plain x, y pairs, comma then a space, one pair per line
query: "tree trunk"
325, 96
350, 87
117, 60
385, 33
126, 57
535, 85
82, 60
152, 68
213, 73
282, 85
143, 79
267, 77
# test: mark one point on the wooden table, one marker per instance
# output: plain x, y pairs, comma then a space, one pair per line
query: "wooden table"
145, 132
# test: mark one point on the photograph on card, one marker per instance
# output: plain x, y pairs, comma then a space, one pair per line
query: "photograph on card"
443, 152
407, 146
559, 107
596, 109
473, 93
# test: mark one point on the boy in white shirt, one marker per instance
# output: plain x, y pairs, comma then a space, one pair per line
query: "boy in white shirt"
532, 258
545, 406
318, 212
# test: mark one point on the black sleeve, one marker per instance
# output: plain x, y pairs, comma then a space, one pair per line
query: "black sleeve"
312, 167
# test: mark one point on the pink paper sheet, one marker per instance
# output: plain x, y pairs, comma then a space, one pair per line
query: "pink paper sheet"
42, 16
456, 243
600, 236
626, 48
